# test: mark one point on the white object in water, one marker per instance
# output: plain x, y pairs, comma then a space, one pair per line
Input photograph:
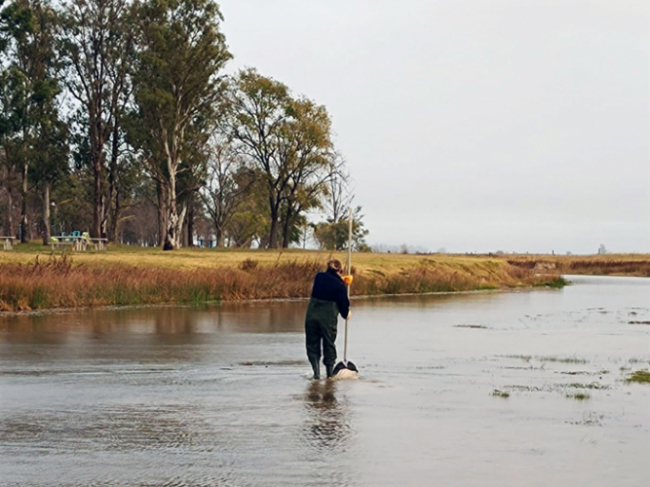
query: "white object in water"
346, 374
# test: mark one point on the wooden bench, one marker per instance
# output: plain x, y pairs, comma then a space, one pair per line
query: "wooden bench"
99, 243
77, 244
7, 242
62, 243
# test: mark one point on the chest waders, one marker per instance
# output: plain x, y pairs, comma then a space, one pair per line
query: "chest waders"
320, 329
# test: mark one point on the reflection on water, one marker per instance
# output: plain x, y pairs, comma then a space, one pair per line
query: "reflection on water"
220, 395
328, 426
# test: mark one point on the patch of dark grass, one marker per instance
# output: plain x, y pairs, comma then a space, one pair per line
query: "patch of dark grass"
589, 419
638, 322
563, 360
592, 385
525, 358
498, 393
556, 283
525, 388
249, 264
480, 327
579, 396
639, 376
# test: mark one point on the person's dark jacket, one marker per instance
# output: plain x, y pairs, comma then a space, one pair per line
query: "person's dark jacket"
329, 286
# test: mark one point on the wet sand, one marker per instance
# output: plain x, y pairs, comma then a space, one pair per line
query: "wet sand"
498, 389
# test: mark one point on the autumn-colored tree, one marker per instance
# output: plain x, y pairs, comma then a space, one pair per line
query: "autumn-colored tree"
286, 140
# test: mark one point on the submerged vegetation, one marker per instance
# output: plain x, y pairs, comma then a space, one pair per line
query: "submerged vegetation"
592, 385
557, 283
564, 360
498, 393
640, 376
579, 396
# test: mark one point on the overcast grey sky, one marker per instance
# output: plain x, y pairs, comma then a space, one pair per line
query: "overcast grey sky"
474, 125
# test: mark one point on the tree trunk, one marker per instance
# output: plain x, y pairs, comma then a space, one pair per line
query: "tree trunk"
24, 223
273, 235
175, 219
170, 242
162, 213
97, 200
190, 221
173, 234
185, 231
47, 228
173, 223
116, 219
286, 231
10, 214
112, 213
219, 234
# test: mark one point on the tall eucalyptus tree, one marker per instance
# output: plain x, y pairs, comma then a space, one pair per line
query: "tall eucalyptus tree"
181, 52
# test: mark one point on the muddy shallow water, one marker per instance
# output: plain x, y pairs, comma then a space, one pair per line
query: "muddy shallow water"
221, 396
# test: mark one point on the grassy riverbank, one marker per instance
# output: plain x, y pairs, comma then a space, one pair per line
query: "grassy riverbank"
31, 278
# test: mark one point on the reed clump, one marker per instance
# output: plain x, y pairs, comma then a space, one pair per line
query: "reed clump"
58, 282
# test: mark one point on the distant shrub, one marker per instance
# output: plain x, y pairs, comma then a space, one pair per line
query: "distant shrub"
249, 265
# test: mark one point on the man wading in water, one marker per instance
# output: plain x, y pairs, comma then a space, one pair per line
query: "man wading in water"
329, 297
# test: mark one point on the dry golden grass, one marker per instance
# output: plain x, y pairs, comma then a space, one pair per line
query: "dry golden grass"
31, 277
123, 276
600, 265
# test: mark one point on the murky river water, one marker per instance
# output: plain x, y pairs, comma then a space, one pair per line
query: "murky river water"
221, 396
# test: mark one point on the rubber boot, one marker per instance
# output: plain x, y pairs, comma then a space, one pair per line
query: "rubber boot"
316, 368
330, 370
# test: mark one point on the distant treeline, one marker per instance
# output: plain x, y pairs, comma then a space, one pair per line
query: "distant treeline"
116, 118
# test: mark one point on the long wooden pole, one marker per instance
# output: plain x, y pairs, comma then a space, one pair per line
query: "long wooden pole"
349, 271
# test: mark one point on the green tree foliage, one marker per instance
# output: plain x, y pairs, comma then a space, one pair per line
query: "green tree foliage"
177, 84
153, 127
309, 164
334, 234
227, 187
287, 141
31, 132
257, 106
95, 43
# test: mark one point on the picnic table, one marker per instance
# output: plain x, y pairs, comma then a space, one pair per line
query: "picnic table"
99, 243
78, 243
7, 242
61, 242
